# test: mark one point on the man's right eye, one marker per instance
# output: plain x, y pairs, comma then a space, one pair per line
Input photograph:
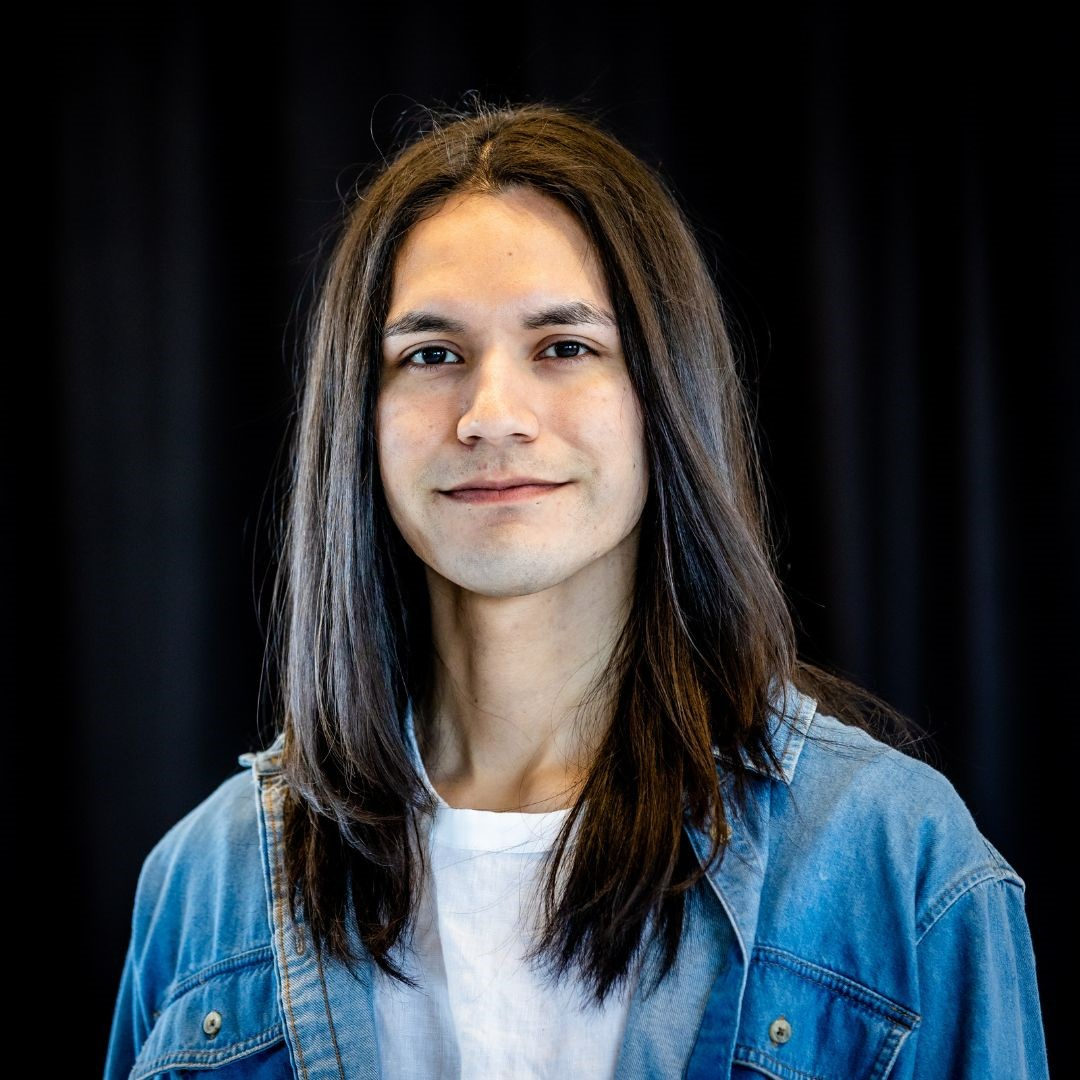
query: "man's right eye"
431, 356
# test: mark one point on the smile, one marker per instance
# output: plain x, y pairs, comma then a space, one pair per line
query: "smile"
515, 493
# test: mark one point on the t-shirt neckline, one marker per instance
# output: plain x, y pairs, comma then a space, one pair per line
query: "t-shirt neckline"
484, 830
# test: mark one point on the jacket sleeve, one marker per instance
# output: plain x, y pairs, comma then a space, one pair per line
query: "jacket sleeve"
981, 1018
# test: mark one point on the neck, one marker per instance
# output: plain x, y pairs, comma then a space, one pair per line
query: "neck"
510, 725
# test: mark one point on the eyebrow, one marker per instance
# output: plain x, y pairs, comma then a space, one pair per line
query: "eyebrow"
423, 322
575, 313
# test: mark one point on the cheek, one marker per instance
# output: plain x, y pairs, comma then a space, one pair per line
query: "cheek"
609, 427
636, 470
403, 426
400, 431
599, 416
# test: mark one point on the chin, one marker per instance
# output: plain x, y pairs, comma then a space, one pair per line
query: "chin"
495, 577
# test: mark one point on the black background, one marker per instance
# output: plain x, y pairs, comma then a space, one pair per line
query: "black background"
890, 203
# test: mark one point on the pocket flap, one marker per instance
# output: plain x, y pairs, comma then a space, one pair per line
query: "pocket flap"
223, 1013
804, 1022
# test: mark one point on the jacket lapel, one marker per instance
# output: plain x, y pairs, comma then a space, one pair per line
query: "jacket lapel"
738, 882
328, 1009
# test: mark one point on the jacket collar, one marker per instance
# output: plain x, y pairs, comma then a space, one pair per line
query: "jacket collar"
738, 876
716, 952
791, 714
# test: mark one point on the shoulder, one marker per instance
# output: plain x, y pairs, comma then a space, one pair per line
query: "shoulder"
872, 907
227, 817
880, 820
201, 897
219, 842
199, 988
212, 841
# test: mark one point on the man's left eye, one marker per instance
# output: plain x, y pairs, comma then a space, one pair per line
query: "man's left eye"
566, 350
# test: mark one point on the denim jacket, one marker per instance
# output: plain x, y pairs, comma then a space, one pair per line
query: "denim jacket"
858, 927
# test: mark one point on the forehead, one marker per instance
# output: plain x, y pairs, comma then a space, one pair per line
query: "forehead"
514, 240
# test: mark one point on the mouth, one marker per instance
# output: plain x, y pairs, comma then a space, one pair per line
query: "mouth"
502, 491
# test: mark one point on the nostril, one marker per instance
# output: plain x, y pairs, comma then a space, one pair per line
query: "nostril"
490, 420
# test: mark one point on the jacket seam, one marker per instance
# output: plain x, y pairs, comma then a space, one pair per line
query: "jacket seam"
981, 876
279, 930
799, 724
184, 1058
236, 962
329, 1014
886, 1066
860, 996
754, 1059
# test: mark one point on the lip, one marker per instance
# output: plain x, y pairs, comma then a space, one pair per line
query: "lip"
502, 490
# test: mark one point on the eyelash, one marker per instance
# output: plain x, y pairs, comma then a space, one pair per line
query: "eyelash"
564, 361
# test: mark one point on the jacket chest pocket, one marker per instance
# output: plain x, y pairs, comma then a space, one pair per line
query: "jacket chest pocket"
804, 1022
224, 1019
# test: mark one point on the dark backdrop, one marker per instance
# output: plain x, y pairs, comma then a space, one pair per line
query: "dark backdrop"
891, 208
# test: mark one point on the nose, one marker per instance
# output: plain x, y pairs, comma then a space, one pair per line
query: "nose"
499, 403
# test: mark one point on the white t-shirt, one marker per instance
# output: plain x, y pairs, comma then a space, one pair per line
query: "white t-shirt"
481, 1012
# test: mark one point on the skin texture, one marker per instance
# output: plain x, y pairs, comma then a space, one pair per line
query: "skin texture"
528, 587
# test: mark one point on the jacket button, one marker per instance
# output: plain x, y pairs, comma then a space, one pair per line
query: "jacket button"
211, 1024
779, 1031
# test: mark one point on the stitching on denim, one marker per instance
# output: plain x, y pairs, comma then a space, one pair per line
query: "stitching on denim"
266, 763
1000, 861
983, 876
885, 1064
855, 992
799, 724
754, 1058
180, 1059
329, 1016
248, 959
279, 921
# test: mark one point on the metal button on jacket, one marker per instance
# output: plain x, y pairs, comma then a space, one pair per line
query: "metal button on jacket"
779, 1031
211, 1024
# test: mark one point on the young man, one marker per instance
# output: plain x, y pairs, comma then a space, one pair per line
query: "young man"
554, 795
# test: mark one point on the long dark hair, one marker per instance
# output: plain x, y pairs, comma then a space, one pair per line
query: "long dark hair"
709, 640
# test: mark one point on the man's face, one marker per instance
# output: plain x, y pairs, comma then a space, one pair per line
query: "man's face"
510, 439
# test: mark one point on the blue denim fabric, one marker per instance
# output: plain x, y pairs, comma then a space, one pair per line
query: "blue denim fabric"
858, 927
